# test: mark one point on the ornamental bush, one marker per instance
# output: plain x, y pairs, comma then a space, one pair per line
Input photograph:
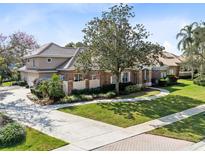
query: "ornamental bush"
132, 89
55, 88
11, 134
200, 80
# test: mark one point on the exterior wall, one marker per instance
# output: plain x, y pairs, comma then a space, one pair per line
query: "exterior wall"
156, 74
105, 78
45, 75
42, 63
94, 83
174, 69
29, 77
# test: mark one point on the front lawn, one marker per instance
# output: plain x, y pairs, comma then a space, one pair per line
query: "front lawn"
183, 96
145, 93
190, 129
36, 141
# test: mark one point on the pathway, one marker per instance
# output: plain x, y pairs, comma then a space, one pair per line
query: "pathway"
146, 142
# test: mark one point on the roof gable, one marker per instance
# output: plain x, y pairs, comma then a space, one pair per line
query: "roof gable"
52, 50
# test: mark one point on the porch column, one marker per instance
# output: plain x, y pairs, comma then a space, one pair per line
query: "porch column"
140, 78
87, 84
150, 78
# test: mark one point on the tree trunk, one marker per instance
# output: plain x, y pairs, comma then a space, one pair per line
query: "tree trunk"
192, 73
117, 84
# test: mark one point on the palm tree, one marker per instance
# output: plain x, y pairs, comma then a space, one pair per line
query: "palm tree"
186, 41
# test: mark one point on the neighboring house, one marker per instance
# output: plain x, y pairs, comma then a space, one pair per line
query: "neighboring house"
185, 71
51, 58
169, 65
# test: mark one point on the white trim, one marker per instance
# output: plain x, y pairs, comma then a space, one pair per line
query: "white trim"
145, 74
129, 79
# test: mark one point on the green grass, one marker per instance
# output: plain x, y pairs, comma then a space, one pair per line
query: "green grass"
6, 84
145, 93
183, 96
190, 129
36, 141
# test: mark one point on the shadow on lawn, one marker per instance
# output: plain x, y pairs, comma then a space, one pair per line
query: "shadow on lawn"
152, 109
176, 87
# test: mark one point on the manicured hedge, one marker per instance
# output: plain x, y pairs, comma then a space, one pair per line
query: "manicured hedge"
169, 80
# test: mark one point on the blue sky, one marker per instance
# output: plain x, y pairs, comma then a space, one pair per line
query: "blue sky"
62, 23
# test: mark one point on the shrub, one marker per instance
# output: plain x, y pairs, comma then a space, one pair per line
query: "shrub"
22, 83
200, 80
71, 99
12, 134
55, 88
43, 88
132, 89
1, 79
110, 94
171, 79
36, 92
162, 82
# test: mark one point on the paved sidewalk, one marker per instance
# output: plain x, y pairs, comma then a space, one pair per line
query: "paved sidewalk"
163, 92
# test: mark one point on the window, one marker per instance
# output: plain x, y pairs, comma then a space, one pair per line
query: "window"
78, 77
28, 60
112, 80
49, 60
163, 74
171, 71
62, 77
125, 77
93, 77
34, 63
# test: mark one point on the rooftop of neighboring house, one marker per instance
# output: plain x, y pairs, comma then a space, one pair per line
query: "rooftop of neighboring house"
170, 59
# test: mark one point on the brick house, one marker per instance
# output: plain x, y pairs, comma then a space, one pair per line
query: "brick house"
51, 58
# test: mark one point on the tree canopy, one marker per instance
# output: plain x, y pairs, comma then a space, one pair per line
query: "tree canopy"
113, 44
12, 49
74, 45
192, 44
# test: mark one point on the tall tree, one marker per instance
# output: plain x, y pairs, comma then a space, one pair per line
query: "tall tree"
113, 44
186, 43
199, 46
12, 49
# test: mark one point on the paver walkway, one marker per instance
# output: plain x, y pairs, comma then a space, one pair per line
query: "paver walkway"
82, 133
146, 142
